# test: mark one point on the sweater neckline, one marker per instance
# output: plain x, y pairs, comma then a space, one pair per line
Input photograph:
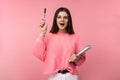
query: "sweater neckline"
61, 33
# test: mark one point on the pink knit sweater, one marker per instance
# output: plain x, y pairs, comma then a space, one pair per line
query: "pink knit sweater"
56, 49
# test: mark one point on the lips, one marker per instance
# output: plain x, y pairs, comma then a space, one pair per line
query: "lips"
62, 24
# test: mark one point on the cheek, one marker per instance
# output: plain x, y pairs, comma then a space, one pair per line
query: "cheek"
57, 22
66, 22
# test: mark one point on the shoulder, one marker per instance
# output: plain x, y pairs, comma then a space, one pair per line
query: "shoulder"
76, 36
49, 35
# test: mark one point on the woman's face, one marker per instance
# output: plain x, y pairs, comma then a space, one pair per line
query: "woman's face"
62, 21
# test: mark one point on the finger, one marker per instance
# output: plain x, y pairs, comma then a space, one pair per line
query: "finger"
73, 58
43, 19
42, 23
45, 26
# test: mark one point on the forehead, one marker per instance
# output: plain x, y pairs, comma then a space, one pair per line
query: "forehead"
62, 13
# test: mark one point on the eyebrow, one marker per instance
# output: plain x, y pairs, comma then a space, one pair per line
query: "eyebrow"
64, 16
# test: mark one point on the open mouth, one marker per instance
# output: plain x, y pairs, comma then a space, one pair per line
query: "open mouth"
62, 24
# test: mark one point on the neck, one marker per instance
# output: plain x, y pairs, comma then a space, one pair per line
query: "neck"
62, 31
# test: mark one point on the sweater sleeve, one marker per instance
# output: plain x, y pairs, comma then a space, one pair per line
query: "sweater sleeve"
78, 47
39, 49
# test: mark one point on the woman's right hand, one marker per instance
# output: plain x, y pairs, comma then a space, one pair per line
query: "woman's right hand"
43, 28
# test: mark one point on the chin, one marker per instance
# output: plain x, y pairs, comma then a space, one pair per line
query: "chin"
62, 28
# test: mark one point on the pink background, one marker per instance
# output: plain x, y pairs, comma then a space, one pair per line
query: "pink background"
96, 21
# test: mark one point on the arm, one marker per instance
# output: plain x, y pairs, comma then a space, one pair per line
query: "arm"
81, 60
78, 47
77, 60
40, 48
40, 44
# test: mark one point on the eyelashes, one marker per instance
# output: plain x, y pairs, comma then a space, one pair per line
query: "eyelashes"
64, 17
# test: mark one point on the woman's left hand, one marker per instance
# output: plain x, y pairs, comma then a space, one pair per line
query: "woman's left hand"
74, 58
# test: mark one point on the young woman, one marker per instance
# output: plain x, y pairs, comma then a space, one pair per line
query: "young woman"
59, 46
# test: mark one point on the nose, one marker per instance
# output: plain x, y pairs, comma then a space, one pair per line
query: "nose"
62, 19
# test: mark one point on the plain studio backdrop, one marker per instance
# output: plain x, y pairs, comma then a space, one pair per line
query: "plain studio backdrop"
96, 21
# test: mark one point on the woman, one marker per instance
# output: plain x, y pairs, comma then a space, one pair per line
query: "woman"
59, 46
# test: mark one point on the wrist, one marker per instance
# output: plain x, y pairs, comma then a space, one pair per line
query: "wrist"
42, 34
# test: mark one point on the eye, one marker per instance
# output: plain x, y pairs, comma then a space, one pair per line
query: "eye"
65, 17
58, 16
